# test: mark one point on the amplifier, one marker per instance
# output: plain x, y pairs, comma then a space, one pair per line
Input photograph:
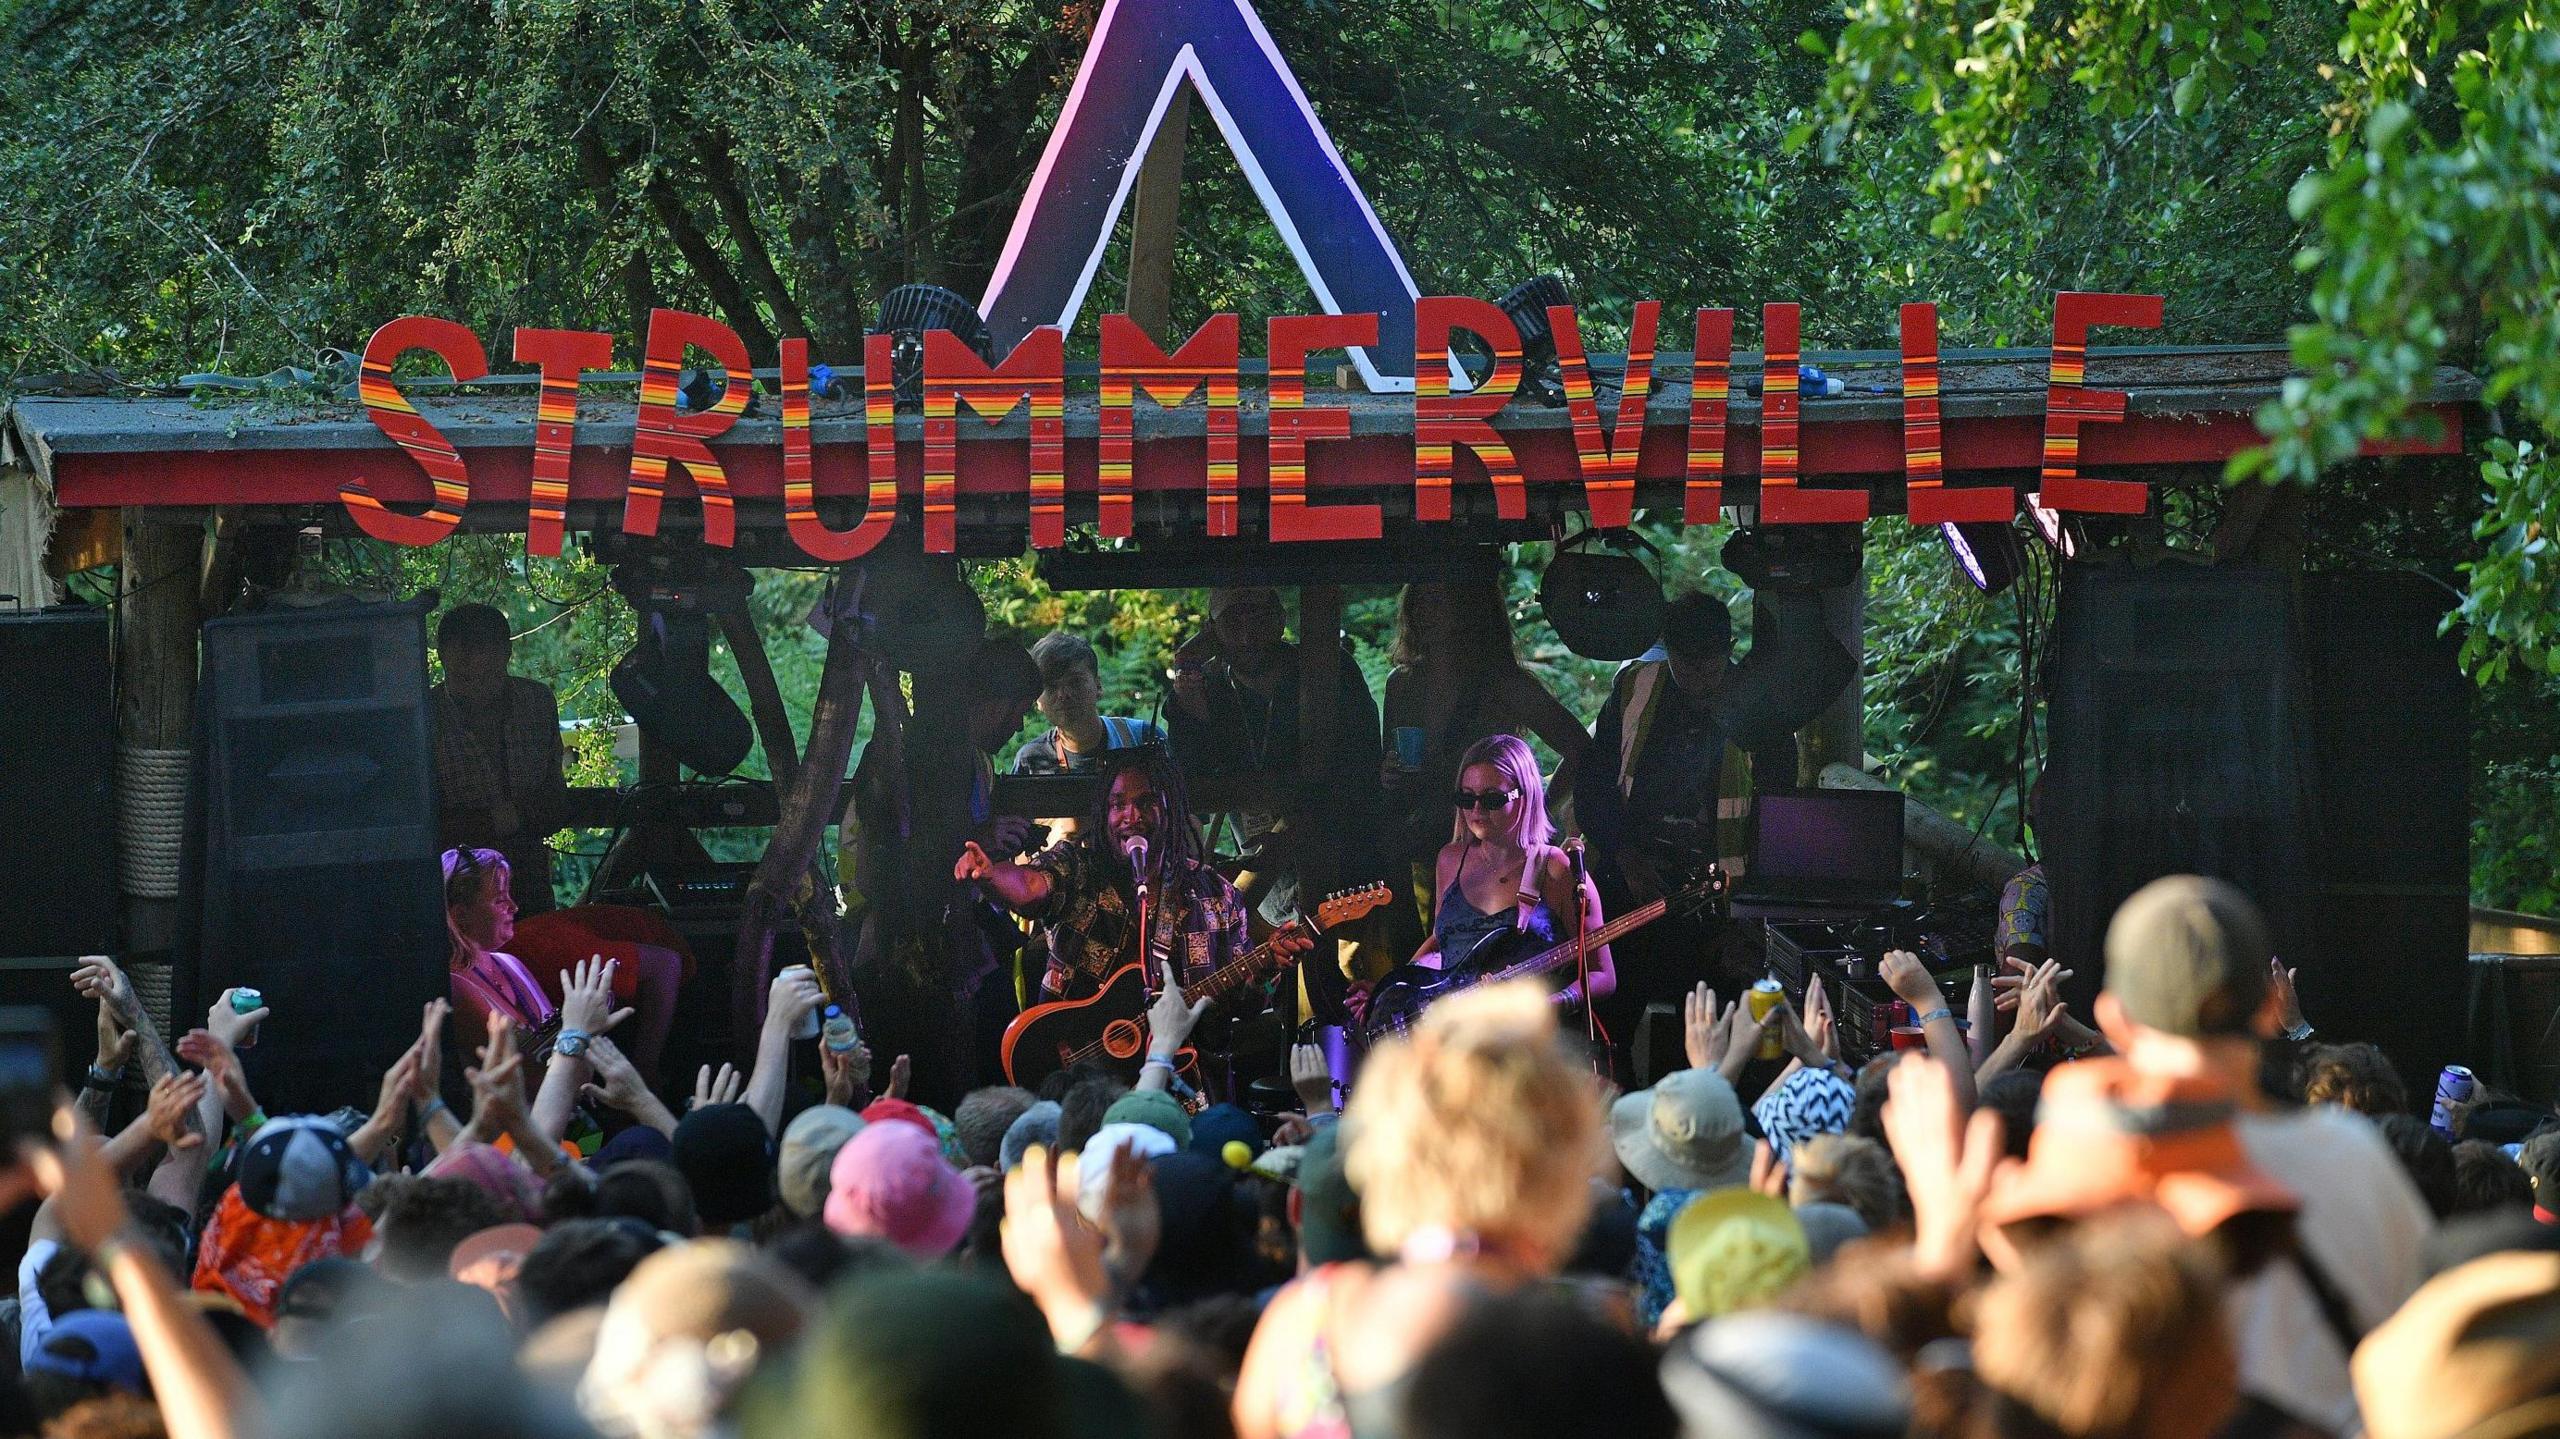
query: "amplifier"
1844, 955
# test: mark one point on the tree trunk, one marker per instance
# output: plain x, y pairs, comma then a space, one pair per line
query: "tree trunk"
807, 804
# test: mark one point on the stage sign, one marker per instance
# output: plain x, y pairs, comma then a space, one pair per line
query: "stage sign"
959, 389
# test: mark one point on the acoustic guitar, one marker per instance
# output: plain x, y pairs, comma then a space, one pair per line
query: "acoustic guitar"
1405, 991
1110, 1025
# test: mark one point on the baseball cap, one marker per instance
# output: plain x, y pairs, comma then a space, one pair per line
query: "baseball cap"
1770, 1375
892, 1181
1152, 1107
809, 1146
94, 1346
2188, 956
299, 1169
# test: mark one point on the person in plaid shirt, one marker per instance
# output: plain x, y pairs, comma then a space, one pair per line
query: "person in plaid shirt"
1084, 892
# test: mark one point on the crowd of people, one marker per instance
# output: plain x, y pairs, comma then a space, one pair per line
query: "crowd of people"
2183, 1224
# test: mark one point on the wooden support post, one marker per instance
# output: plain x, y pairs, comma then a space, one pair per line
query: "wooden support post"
808, 805
156, 677
1838, 734
1155, 224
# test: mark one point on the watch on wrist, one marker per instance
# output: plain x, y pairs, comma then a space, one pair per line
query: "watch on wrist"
571, 1044
102, 1078
2299, 1033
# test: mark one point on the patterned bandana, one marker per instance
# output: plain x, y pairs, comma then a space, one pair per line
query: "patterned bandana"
1805, 1105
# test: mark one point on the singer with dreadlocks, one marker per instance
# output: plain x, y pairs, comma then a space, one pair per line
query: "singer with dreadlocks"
1084, 890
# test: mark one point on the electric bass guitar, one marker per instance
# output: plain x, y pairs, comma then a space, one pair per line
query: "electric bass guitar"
1400, 996
1110, 1025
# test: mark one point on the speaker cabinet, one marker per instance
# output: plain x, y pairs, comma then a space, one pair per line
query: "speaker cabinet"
58, 890
320, 877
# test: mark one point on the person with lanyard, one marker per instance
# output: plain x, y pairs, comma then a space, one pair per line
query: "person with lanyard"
498, 752
1673, 765
1084, 889
1080, 735
1505, 891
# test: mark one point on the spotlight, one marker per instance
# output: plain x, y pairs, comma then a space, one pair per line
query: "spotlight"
1526, 304
910, 310
2051, 525
1985, 551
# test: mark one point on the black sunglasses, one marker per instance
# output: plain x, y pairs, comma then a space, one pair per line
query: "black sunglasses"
1492, 799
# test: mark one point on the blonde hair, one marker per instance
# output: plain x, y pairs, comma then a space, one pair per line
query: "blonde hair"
1478, 1123
1511, 755
1843, 1169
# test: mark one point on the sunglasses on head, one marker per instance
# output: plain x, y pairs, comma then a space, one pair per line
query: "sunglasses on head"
1491, 799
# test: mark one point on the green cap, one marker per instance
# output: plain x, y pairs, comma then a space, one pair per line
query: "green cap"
1155, 1109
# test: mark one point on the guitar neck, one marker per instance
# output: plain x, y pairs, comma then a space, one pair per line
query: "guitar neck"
1548, 959
1236, 973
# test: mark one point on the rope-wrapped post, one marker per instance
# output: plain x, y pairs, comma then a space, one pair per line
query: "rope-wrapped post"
151, 814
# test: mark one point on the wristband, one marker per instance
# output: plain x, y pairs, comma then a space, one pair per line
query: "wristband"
2300, 1033
250, 1125
434, 1106
102, 1078
1941, 1012
1154, 1063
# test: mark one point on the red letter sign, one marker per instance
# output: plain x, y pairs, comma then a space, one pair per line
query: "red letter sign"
392, 414
1442, 420
1782, 501
1926, 498
1710, 377
799, 470
1608, 472
564, 356
1131, 365
663, 437
2068, 404
1036, 374
1293, 424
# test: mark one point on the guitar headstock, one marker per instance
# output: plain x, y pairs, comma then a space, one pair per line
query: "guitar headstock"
1709, 892
1344, 906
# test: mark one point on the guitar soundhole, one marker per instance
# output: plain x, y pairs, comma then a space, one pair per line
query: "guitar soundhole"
1122, 1039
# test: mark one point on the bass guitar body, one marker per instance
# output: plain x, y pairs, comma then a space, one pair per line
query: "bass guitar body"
1107, 1027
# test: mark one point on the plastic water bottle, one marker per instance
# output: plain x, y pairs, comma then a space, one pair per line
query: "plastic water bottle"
840, 1037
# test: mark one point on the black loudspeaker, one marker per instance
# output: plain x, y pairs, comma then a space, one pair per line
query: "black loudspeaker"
58, 890
2389, 904
2179, 745
319, 870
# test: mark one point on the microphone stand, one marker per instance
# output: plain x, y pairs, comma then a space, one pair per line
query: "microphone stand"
1146, 917
1582, 949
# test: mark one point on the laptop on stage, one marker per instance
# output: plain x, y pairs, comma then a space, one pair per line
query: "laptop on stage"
1822, 854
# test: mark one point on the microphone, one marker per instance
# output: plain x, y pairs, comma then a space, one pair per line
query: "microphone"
1136, 850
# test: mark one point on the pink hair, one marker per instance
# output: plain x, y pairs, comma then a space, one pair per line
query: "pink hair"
1510, 754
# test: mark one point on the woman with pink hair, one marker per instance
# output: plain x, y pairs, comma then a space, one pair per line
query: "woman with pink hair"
1505, 890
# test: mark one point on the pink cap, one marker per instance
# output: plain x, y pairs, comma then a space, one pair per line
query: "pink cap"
892, 1181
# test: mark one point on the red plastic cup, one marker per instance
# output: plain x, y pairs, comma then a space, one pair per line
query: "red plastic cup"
1909, 1036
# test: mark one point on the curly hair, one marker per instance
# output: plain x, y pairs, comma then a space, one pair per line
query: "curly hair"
1478, 1123
2353, 1076
1841, 1169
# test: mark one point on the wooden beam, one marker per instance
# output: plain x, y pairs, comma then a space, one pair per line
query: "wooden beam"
156, 677
1155, 223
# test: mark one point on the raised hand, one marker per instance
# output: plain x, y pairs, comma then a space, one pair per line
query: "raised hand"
430, 1048
793, 996
1127, 1212
901, 1069
1908, 978
1052, 1254
1768, 1172
204, 1047
99, 979
586, 997
2011, 982
497, 1083
2288, 996
1171, 1018
618, 1085
721, 1087
1946, 1161
172, 1114
399, 1087
1311, 1077
846, 1074
973, 863
1703, 1028
1818, 1021
233, 1026
115, 1042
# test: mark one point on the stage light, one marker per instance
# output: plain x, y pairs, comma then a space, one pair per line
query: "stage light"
1526, 305
2051, 525
1986, 552
910, 310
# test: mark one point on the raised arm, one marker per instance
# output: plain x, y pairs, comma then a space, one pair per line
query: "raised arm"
795, 996
586, 1010
115, 1050
1022, 888
100, 979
